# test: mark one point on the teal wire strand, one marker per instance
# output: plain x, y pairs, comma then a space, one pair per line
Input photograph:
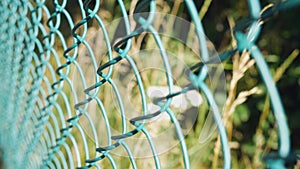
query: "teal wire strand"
199, 82
284, 146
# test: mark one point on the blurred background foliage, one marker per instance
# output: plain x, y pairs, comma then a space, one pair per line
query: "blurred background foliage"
253, 119
251, 126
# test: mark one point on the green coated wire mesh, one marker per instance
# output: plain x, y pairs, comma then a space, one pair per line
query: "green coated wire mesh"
79, 92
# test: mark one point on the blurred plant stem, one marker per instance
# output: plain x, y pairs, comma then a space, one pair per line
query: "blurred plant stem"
204, 8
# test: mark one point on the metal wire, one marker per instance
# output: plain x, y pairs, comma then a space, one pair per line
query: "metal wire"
41, 110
